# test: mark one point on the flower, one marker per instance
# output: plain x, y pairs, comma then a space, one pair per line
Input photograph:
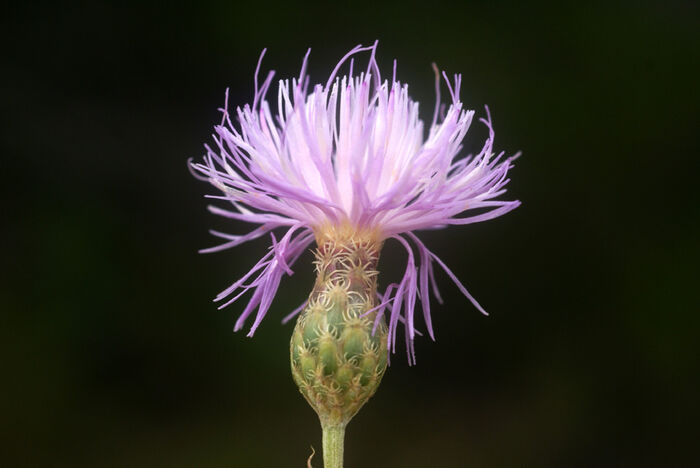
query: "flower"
350, 155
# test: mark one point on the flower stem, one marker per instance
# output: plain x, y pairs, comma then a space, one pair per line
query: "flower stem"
333, 439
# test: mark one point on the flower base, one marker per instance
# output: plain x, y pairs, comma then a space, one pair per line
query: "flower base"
339, 345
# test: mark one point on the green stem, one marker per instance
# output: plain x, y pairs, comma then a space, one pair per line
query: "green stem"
333, 438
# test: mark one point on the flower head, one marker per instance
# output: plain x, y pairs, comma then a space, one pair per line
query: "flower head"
350, 155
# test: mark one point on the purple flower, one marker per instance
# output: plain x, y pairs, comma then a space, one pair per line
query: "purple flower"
349, 154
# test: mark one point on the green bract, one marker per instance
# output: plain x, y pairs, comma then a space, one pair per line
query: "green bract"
338, 355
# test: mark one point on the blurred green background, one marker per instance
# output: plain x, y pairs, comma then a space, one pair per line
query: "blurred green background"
113, 354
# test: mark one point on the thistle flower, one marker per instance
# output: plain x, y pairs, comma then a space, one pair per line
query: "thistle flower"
348, 165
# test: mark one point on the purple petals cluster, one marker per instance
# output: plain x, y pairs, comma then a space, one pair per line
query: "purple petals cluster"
352, 152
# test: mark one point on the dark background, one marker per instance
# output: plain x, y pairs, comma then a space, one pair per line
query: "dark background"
112, 354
